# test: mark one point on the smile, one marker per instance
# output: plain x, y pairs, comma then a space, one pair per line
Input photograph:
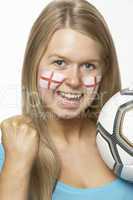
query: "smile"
70, 96
68, 100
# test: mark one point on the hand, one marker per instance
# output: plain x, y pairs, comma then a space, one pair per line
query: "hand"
20, 140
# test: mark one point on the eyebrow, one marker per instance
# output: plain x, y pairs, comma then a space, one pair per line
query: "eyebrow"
65, 58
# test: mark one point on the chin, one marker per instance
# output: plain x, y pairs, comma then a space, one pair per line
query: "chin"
67, 114
62, 113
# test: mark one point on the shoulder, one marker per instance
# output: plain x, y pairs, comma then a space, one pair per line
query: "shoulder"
2, 156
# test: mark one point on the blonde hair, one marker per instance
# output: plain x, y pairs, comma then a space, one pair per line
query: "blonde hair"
83, 17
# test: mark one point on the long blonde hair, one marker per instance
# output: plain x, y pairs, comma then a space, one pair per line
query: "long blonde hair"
83, 17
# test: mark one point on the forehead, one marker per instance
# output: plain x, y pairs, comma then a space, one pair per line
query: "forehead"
74, 45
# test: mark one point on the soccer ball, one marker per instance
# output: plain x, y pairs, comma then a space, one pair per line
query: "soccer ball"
115, 133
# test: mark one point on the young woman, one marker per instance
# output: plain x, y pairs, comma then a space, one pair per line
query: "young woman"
70, 70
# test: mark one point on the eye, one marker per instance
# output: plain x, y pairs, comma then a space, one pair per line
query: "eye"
59, 62
90, 66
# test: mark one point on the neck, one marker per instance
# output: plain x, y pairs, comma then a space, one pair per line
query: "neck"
70, 130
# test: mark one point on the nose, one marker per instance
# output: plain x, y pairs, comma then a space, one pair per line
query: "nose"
73, 78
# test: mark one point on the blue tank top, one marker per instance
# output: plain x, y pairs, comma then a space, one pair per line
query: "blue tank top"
115, 190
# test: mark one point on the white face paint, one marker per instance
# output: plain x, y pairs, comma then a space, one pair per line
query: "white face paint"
91, 81
52, 80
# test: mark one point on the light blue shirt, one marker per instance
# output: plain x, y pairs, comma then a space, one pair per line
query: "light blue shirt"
115, 190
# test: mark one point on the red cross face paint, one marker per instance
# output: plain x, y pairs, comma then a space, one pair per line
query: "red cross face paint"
50, 80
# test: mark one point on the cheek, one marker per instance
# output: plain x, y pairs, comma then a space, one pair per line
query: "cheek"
49, 79
91, 94
44, 92
91, 82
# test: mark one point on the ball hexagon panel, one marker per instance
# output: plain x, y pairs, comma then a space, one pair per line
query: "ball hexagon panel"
124, 112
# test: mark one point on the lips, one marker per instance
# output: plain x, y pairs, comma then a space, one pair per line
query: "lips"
68, 100
70, 96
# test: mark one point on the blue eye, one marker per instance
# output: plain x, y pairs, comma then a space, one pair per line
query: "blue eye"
90, 66
59, 62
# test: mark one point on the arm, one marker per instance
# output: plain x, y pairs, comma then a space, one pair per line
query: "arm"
21, 143
14, 182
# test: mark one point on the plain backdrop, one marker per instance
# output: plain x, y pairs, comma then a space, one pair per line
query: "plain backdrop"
16, 20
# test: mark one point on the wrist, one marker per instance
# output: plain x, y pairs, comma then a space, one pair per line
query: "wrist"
18, 168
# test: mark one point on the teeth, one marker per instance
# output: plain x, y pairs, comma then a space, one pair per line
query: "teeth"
70, 95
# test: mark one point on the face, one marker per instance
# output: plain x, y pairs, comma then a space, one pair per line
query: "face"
69, 73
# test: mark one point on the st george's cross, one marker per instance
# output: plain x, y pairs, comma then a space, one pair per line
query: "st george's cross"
52, 80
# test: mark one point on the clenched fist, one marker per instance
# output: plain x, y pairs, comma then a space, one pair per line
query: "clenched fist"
20, 141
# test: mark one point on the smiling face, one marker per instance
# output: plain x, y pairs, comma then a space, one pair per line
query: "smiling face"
69, 73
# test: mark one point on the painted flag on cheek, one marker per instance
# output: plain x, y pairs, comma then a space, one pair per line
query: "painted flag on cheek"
91, 81
50, 79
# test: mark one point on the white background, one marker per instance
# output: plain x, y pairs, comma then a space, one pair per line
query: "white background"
16, 19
